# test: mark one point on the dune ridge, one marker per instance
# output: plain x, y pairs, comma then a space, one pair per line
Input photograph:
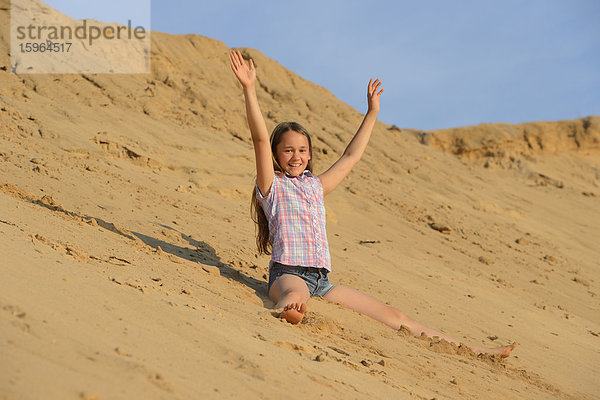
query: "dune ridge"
130, 271
528, 139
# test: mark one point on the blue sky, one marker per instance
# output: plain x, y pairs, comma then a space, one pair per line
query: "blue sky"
443, 63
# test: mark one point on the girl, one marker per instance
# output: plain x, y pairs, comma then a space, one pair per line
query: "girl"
289, 209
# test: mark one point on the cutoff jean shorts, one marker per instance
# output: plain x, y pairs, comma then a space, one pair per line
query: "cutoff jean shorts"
317, 279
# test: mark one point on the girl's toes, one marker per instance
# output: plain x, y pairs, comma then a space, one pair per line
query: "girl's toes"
294, 313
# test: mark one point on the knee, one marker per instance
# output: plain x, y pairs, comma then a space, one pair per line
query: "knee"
292, 296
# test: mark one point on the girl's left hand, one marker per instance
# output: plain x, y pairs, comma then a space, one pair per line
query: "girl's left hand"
373, 95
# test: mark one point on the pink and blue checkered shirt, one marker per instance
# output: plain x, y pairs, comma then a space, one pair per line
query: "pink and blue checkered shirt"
295, 209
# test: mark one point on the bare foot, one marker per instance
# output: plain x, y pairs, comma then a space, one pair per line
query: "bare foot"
505, 351
293, 313
502, 351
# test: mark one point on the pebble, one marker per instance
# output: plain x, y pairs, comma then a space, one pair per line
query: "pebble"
211, 269
485, 261
445, 229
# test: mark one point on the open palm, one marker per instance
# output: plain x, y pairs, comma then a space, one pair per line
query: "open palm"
373, 94
245, 73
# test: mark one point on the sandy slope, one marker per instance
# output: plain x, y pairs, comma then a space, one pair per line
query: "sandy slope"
128, 260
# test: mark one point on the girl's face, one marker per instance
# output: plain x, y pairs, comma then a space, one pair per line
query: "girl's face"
293, 152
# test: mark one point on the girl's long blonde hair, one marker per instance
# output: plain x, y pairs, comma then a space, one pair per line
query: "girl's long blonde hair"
263, 239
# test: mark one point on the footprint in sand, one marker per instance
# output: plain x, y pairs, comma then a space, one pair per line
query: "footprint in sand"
320, 323
294, 347
64, 248
19, 318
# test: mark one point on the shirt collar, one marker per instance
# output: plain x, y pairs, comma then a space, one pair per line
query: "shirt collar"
305, 173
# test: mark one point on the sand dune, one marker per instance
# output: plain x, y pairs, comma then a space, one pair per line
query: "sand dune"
129, 268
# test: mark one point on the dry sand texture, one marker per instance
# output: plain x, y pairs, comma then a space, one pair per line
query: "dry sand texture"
128, 261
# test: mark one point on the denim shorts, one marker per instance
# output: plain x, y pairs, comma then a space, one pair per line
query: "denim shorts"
317, 279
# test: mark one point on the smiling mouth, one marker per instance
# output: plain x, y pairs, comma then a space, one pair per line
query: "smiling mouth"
295, 165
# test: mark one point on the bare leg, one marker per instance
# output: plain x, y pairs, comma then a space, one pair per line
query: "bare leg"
290, 293
369, 306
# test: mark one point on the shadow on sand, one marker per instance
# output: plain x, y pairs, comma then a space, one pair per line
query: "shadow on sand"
199, 252
202, 252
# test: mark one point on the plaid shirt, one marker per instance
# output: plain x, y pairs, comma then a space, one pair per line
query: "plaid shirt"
295, 209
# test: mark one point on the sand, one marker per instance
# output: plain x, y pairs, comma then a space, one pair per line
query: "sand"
129, 268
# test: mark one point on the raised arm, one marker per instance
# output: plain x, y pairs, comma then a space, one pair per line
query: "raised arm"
331, 178
246, 74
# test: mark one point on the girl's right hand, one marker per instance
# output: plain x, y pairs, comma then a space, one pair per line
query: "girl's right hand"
245, 74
